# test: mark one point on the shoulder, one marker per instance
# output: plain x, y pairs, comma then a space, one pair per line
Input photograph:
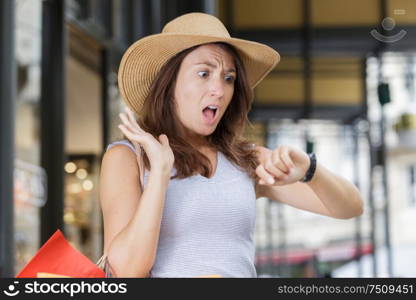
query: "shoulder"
119, 160
119, 175
121, 150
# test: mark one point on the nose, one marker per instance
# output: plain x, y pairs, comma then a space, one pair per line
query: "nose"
217, 87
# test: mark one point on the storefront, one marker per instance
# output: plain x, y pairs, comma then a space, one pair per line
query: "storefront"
62, 114
63, 121
64, 109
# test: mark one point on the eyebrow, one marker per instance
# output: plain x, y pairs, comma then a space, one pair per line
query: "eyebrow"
213, 66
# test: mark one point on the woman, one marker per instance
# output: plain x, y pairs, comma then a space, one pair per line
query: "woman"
178, 200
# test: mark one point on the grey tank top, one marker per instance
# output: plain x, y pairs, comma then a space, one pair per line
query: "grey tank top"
208, 224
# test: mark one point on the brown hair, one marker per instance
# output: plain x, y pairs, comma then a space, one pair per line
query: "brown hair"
227, 137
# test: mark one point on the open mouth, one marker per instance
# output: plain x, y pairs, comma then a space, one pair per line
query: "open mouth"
210, 112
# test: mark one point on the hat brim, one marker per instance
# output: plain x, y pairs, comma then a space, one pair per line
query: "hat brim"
144, 58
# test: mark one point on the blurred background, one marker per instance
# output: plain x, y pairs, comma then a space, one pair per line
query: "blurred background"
345, 88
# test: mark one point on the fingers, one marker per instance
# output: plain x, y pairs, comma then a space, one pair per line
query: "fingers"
132, 119
134, 133
130, 122
137, 135
164, 139
131, 135
276, 165
282, 160
285, 156
127, 123
272, 170
265, 177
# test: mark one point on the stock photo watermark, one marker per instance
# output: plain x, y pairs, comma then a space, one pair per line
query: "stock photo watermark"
70, 289
388, 25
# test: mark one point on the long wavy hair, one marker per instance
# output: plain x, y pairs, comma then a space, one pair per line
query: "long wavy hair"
158, 116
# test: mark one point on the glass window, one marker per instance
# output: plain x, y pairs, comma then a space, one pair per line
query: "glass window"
83, 145
30, 178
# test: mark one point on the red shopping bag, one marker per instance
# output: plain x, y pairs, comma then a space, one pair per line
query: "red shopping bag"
57, 258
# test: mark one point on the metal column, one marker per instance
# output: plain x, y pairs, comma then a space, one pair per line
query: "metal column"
53, 114
306, 54
371, 201
7, 113
210, 7
358, 224
386, 209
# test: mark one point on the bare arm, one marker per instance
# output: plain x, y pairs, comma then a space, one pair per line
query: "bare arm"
326, 194
131, 218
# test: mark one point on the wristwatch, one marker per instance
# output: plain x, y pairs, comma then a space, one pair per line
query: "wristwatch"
312, 167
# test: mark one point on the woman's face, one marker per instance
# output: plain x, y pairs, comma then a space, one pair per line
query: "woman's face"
205, 78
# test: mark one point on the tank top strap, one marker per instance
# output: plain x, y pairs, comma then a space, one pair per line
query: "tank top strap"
121, 142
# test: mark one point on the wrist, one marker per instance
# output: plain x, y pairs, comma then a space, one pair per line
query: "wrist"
311, 170
163, 173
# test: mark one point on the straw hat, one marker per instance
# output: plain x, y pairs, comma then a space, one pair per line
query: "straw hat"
144, 58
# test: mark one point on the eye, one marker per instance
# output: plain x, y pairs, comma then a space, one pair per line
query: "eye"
230, 78
203, 72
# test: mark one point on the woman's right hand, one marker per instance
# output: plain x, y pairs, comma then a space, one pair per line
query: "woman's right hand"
159, 153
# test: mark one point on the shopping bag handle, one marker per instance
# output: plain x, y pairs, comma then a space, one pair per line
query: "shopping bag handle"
104, 265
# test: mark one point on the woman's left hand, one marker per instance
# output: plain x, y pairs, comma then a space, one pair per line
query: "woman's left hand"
283, 165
